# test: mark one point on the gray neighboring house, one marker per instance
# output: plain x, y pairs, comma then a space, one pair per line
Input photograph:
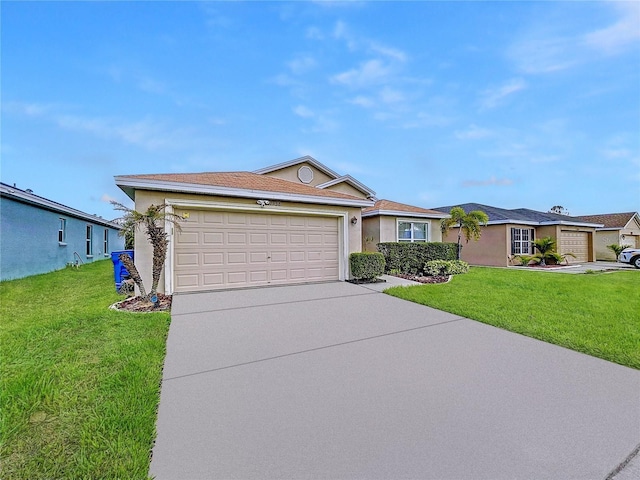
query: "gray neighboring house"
38, 235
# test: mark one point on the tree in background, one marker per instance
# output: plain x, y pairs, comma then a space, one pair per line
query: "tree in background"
559, 209
152, 221
467, 224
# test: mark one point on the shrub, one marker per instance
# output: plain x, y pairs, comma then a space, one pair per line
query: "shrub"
411, 257
446, 267
366, 265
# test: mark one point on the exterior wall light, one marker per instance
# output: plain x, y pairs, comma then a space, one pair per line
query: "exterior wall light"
354, 220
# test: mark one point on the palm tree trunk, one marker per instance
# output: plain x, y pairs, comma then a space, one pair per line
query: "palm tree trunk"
133, 272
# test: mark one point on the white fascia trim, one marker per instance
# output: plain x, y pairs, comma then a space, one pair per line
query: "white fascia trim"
351, 181
142, 184
513, 222
572, 224
394, 213
296, 161
609, 229
55, 207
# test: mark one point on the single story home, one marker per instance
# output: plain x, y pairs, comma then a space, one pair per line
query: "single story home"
511, 232
40, 235
388, 221
293, 222
618, 228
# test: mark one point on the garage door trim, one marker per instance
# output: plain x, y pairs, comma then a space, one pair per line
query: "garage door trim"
342, 216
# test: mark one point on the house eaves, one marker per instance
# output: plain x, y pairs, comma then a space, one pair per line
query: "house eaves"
22, 196
406, 214
572, 224
306, 159
129, 185
351, 181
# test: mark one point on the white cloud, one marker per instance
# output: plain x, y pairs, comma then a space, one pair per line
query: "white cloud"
625, 31
302, 64
368, 73
493, 97
362, 101
107, 198
492, 181
303, 112
391, 96
473, 132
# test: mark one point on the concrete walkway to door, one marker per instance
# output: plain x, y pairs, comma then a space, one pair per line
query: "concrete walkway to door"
336, 380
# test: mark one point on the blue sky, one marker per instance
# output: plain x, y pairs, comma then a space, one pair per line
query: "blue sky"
510, 104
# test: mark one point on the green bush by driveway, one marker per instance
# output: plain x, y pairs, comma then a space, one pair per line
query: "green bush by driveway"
79, 382
594, 314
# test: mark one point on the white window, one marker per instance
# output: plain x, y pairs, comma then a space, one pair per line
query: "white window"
521, 241
413, 231
106, 241
89, 240
62, 230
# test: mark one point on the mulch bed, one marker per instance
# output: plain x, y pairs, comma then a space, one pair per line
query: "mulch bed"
138, 304
424, 279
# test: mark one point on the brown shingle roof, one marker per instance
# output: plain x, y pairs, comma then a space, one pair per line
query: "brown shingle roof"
242, 181
609, 220
388, 205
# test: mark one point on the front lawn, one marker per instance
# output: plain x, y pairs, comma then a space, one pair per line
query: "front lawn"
595, 314
79, 382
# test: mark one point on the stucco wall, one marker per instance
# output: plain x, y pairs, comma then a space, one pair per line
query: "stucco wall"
603, 239
346, 188
383, 228
291, 174
29, 241
143, 199
492, 249
370, 233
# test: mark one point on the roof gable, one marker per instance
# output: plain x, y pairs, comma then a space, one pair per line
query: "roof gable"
614, 220
239, 184
298, 161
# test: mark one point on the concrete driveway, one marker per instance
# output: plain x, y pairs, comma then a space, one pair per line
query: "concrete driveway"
339, 381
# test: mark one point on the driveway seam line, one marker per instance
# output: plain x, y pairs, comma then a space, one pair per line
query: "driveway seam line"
274, 304
276, 357
624, 463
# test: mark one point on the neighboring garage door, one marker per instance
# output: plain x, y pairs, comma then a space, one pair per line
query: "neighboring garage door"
576, 243
218, 249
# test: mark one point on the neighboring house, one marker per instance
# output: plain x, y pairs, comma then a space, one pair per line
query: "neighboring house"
294, 222
511, 232
39, 235
388, 221
619, 228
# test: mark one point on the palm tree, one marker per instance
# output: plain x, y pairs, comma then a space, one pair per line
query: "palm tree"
467, 223
152, 220
546, 248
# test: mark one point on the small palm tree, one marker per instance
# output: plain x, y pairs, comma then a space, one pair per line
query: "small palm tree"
467, 223
152, 221
546, 248
617, 249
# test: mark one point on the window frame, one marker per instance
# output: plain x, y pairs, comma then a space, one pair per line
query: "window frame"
412, 222
105, 242
89, 241
62, 231
517, 241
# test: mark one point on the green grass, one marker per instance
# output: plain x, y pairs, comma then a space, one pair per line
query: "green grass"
79, 382
595, 314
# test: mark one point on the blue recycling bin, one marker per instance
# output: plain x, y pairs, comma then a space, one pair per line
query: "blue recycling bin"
120, 273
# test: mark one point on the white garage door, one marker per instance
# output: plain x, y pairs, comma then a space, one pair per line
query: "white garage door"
576, 243
240, 249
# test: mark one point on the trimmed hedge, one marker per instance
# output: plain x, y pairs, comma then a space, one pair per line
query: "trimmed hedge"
366, 265
412, 257
446, 267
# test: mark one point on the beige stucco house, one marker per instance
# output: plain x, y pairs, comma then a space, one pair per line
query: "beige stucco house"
293, 222
511, 232
618, 228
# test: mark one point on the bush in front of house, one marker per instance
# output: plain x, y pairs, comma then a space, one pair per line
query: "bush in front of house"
411, 257
366, 265
446, 267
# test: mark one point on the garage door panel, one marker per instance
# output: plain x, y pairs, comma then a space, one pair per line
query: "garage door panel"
576, 243
237, 249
